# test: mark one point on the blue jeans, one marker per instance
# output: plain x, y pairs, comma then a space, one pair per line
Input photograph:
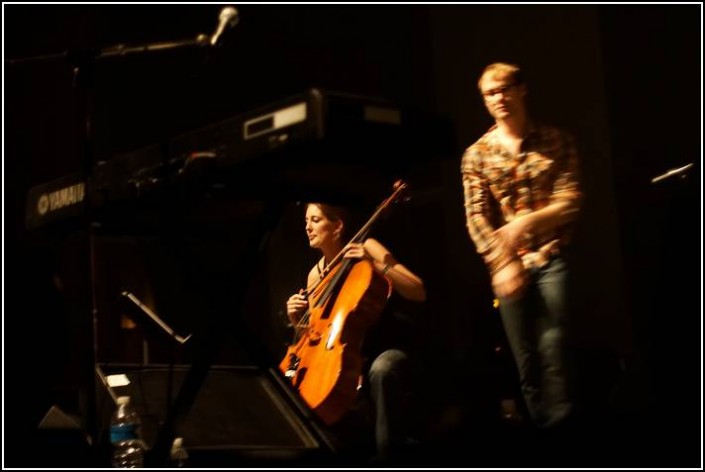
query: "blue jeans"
390, 390
535, 325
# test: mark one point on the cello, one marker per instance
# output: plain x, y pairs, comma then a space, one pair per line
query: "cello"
324, 363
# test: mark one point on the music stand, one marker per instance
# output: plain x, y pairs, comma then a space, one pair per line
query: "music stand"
149, 314
148, 318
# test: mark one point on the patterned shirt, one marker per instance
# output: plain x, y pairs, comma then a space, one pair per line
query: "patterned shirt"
500, 187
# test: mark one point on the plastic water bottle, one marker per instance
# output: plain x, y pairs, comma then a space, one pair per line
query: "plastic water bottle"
125, 430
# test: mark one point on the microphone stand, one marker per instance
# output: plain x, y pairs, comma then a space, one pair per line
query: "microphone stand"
83, 63
86, 57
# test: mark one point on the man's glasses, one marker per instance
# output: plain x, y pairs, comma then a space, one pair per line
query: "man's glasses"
492, 92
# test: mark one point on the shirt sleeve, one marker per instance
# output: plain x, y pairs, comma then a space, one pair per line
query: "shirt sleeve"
478, 213
566, 187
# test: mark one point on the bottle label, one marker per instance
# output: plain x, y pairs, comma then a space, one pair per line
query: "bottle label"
122, 432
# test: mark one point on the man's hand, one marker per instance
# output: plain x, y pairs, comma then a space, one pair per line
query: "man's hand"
515, 233
510, 281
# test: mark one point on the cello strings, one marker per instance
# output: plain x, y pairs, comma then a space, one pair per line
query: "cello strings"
303, 322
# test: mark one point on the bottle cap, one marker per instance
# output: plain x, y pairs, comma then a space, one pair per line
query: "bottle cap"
123, 400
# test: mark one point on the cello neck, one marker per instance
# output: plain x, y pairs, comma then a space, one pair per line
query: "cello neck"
399, 188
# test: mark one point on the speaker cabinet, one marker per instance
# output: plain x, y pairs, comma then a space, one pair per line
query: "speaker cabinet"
240, 416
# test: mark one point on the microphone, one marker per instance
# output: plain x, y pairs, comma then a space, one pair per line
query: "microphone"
681, 171
228, 18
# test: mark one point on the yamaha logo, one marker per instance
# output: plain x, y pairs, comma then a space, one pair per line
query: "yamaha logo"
43, 204
61, 198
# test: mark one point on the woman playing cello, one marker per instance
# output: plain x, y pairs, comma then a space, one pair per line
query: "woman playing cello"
386, 365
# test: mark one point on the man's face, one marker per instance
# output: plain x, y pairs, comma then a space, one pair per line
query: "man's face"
502, 98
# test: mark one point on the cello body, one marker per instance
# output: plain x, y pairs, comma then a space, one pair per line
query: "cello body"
326, 363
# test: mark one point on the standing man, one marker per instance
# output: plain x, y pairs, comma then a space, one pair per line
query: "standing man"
521, 196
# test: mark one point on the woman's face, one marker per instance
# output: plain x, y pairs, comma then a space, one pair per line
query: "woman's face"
321, 230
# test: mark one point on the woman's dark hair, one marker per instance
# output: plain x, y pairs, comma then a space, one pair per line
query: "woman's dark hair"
336, 213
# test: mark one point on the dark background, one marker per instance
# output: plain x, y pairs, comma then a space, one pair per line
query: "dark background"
625, 80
